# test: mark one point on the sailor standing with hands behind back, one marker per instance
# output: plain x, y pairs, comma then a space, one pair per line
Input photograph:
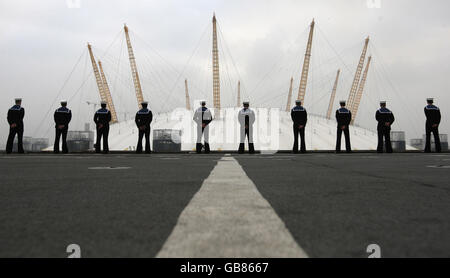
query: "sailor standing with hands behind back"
62, 117
246, 119
203, 118
343, 118
143, 119
433, 115
385, 119
299, 117
102, 118
15, 121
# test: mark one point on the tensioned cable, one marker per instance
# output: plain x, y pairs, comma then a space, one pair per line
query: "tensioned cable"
393, 87
184, 68
192, 84
81, 97
243, 87
59, 92
281, 55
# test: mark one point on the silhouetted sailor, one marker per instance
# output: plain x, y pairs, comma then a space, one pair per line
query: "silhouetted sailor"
62, 117
15, 121
246, 118
102, 118
202, 117
343, 118
385, 119
143, 119
433, 115
299, 116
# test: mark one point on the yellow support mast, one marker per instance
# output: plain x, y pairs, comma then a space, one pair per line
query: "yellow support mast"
188, 102
333, 95
356, 79
305, 70
215, 64
105, 94
134, 72
359, 94
289, 100
98, 78
108, 95
239, 94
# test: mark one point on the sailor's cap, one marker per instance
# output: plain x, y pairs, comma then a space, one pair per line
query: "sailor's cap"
63, 101
430, 99
18, 99
382, 102
144, 102
103, 102
342, 102
298, 101
246, 103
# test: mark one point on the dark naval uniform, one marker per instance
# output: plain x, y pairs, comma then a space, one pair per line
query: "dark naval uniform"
15, 121
102, 118
299, 116
343, 118
384, 116
433, 115
62, 117
143, 119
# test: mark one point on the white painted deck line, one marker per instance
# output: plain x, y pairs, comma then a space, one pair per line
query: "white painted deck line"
229, 218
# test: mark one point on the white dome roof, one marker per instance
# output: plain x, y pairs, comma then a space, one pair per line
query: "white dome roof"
224, 131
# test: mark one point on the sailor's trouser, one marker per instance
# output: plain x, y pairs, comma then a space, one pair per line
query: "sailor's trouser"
437, 141
61, 133
102, 132
246, 132
384, 132
142, 133
12, 133
202, 131
347, 139
299, 131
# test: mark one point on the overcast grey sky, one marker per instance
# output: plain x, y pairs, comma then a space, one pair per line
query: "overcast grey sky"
262, 44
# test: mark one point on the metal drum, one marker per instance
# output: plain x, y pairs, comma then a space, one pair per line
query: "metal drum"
27, 144
398, 141
78, 145
79, 141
